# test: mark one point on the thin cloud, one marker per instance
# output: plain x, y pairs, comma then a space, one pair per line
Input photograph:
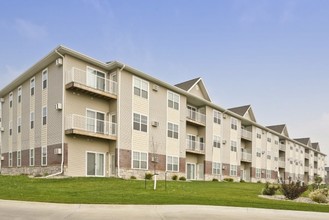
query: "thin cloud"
30, 30
8, 74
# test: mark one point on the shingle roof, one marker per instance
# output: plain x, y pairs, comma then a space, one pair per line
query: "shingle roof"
303, 140
188, 84
240, 110
315, 146
277, 128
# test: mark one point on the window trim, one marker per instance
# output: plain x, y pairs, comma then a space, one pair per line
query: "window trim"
140, 122
172, 163
233, 172
19, 94
234, 148
19, 124
44, 118
216, 141
216, 170
139, 160
32, 86
234, 123
217, 117
45, 79
44, 155
141, 87
11, 98
32, 120
175, 100
31, 157
173, 130
10, 159
19, 158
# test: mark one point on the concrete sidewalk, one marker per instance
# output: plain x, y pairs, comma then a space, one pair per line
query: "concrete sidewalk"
34, 210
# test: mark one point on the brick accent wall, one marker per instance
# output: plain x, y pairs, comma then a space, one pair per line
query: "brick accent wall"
161, 162
253, 172
125, 158
226, 171
182, 165
207, 167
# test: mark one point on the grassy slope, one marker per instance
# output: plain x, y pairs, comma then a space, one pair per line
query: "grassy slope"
117, 191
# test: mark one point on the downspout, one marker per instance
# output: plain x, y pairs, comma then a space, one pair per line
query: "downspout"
63, 114
0, 136
118, 119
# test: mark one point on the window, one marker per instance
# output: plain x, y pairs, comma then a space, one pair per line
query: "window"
216, 142
19, 95
233, 146
258, 152
32, 120
11, 100
172, 130
44, 79
275, 158
215, 168
258, 173
141, 88
44, 156
19, 124
268, 155
140, 122
269, 139
96, 79
259, 136
10, 159
19, 158
268, 174
32, 85
31, 157
234, 124
10, 128
173, 100
139, 160
95, 121
217, 117
44, 115
276, 142
233, 170
95, 164
172, 163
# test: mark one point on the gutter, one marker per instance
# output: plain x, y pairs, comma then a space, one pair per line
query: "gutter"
118, 120
63, 114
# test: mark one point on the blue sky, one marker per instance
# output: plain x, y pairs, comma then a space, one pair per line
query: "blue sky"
273, 55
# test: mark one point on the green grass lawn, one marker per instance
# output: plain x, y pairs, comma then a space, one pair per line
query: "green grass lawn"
118, 191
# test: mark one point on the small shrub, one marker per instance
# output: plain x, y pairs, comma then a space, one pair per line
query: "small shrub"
38, 175
174, 177
292, 190
45, 174
319, 195
133, 178
269, 189
228, 179
215, 180
148, 176
242, 181
259, 181
182, 178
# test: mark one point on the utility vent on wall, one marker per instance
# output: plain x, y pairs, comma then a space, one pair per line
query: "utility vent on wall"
58, 106
155, 123
155, 88
59, 62
58, 151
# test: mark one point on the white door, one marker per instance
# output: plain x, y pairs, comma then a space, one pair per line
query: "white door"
95, 164
190, 171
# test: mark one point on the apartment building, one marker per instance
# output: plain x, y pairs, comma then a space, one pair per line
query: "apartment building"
73, 115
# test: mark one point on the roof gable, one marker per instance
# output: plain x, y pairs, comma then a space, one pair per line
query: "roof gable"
281, 129
305, 141
244, 111
316, 146
196, 87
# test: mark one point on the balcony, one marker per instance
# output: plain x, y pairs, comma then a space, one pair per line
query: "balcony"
81, 125
282, 163
246, 157
195, 117
282, 147
90, 83
194, 146
307, 156
306, 169
245, 134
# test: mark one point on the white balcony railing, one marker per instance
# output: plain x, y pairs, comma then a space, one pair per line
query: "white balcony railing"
246, 156
282, 147
196, 116
195, 146
246, 134
91, 80
90, 125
